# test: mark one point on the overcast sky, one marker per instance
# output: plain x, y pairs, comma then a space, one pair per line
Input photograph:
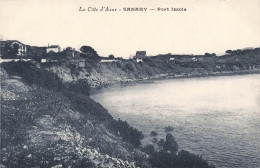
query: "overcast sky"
206, 26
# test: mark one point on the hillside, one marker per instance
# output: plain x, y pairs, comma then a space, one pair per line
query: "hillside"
103, 74
47, 122
45, 128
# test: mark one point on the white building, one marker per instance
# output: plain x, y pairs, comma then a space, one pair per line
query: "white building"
14, 47
54, 48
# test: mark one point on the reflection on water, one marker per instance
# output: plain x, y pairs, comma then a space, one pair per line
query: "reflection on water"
218, 117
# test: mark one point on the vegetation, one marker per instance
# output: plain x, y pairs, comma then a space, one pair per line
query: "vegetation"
169, 158
128, 133
51, 96
184, 159
89, 51
32, 74
28, 141
111, 56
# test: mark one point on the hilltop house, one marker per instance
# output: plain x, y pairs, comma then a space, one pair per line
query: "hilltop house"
13, 48
54, 48
72, 53
140, 55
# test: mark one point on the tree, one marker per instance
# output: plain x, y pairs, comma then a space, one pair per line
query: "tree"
12, 51
88, 50
207, 55
229, 52
111, 56
214, 55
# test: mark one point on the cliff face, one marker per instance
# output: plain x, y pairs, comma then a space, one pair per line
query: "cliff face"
100, 74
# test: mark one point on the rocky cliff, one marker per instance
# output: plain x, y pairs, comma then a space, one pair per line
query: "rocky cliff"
100, 74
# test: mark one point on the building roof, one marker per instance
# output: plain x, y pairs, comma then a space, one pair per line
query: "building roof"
141, 52
9, 42
54, 46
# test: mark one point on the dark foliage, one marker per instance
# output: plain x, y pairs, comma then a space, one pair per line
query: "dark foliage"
111, 56
80, 86
89, 51
128, 133
184, 159
168, 157
149, 149
32, 74
89, 108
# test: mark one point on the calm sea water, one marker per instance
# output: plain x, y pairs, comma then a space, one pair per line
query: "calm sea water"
216, 117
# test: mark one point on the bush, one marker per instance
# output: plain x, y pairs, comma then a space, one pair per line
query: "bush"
168, 157
80, 86
128, 133
31, 74
149, 149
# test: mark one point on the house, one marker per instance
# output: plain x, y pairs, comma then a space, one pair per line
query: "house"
13, 48
72, 53
54, 48
140, 55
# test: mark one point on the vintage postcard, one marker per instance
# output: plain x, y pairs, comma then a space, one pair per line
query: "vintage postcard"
130, 83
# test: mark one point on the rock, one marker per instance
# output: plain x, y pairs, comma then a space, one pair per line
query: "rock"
168, 129
132, 164
153, 133
170, 144
25, 147
161, 142
154, 140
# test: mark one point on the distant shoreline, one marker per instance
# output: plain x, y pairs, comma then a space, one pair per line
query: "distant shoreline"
169, 76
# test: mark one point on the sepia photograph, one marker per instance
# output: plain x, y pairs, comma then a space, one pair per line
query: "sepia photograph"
130, 84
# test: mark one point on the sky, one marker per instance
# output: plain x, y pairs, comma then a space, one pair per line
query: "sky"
212, 26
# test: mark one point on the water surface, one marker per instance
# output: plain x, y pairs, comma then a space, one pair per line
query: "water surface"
216, 117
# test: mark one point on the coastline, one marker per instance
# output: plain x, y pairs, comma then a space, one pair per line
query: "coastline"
125, 83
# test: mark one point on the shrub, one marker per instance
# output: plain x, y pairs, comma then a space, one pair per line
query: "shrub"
149, 149
128, 133
80, 86
31, 74
168, 157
